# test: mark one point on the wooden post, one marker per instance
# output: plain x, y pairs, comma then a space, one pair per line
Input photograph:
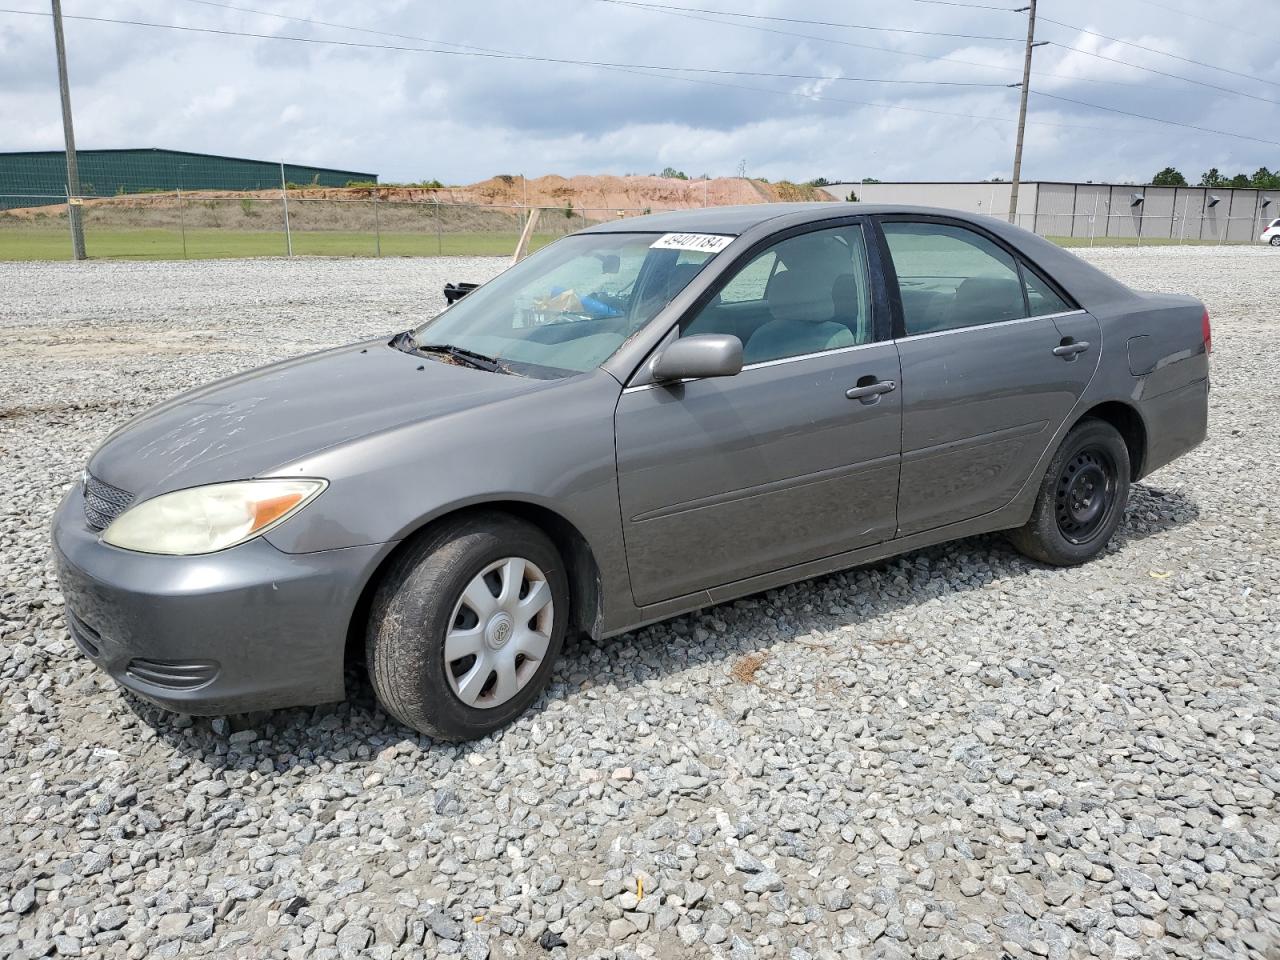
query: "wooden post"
522, 247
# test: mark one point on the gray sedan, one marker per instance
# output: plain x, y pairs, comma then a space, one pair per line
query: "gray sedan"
644, 418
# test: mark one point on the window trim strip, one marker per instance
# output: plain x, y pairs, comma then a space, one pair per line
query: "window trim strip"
988, 326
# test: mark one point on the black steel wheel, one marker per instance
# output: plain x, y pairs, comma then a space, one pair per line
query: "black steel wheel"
1081, 498
1085, 494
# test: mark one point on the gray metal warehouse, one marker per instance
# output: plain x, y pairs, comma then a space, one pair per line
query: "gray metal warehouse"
37, 177
1084, 210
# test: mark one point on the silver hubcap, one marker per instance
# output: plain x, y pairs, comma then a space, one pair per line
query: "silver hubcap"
499, 633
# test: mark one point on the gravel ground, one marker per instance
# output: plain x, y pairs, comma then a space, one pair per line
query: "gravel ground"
957, 753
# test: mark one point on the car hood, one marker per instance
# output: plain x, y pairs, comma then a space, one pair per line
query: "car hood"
245, 425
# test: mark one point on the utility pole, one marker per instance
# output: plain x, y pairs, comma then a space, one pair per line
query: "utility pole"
73, 174
1022, 108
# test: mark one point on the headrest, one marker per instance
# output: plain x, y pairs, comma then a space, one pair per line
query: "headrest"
994, 298
844, 290
794, 296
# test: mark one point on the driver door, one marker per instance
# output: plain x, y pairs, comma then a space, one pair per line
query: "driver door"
727, 478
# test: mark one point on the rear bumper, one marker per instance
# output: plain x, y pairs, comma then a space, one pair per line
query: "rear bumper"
249, 628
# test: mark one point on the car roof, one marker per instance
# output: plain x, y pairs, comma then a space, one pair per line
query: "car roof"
736, 220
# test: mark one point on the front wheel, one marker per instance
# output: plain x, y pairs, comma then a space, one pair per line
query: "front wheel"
466, 626
1081, 499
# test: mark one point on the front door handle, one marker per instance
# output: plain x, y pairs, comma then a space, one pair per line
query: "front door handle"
1068, 351
868, 392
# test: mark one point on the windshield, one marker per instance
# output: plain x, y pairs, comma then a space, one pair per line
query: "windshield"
567, 308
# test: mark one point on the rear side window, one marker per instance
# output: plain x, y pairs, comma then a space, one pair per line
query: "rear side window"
950, 277
1041, 299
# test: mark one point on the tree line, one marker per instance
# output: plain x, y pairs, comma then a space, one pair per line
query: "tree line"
1262, 179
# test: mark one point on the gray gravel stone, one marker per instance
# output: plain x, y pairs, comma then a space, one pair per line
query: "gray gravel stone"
950, 754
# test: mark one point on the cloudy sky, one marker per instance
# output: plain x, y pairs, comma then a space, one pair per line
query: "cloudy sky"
407, 114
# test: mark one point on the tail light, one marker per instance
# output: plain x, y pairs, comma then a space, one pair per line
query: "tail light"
1208, 334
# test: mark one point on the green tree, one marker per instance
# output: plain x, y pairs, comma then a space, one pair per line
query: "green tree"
1212, 178
1264, 179
673, 174
870, 180
1238, 182
819, 182
1168, 177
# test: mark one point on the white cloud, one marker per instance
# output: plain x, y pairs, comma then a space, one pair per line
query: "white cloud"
412, 115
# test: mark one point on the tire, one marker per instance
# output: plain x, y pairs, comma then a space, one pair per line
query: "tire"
1275, 241
1081, 499
425, 611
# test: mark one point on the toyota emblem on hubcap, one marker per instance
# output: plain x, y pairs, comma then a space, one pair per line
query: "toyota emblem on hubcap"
499, 630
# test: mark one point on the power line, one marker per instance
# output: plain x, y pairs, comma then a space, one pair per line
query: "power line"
629, 68
1216, 23
640, 67
637, 71
476, 52
1143, 116
679, 12
814, 23
1163, 53
956, 3
344, 26
1163, 73
689, 12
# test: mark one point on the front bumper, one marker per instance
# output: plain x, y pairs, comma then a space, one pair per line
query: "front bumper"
248, 628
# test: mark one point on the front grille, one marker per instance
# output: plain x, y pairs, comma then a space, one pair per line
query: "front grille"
103, 502
174, 674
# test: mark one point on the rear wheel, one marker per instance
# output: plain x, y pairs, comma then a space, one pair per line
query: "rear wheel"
466, 626
1081, 499
1275, 241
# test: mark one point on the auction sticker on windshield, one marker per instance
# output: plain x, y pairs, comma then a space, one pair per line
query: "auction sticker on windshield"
703, 242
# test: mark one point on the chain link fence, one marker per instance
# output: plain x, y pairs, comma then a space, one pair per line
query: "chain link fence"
1128, 229
178, 225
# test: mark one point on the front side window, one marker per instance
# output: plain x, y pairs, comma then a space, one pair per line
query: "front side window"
567, 308
950, 277
803, 295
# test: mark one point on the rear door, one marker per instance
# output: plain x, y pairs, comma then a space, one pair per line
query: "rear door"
994, 357
726, 478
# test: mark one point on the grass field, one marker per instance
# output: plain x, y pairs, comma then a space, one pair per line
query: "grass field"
151, 244
1133, 242
52, 243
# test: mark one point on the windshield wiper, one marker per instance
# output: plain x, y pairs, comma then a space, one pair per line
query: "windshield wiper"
469, 357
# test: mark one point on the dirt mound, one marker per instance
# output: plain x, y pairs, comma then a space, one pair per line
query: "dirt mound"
582, 193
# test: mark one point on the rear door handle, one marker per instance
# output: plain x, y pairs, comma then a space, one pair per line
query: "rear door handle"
869, 391
1069, 350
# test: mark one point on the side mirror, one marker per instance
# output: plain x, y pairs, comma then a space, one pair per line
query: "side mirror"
704, 355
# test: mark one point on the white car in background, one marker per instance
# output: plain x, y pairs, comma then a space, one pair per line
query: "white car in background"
1271, 235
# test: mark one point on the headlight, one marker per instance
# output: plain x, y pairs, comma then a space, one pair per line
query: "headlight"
206, 519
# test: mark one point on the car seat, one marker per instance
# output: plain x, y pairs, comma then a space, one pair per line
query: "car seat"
802, 308
985, 300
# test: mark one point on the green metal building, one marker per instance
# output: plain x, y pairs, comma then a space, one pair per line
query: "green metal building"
38, 177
